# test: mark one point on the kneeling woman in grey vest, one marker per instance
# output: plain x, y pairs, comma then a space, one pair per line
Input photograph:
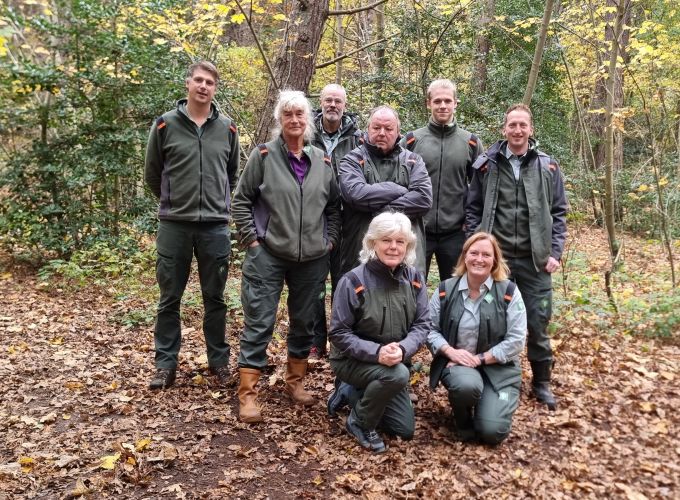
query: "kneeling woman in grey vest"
478, 331
380, 319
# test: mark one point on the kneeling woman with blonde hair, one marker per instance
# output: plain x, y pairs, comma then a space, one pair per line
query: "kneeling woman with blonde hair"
478, 330
380, 319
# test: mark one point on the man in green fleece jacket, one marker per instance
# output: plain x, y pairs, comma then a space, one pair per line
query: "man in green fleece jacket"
449, 152
191, 165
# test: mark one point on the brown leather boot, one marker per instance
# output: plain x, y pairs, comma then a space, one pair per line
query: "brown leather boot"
248, 409
296, 370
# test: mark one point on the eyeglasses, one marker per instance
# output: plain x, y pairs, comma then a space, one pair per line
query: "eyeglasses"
330, 100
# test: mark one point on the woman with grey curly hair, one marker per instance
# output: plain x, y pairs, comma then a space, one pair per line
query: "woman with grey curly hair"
380, 319
286, 210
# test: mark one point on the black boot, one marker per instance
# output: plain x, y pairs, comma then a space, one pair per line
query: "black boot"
540, 386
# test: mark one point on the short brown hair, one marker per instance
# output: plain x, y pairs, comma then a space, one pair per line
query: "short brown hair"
205, 66
499, 270
518, 107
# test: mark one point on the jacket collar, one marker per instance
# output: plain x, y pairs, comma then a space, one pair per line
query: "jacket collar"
497, 149
447, 129
381, 269
378, 153
182, 109
349, 122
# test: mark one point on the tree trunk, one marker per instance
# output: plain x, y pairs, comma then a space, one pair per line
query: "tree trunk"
538, 53
610, 194
483, 47
340, 48
296, 60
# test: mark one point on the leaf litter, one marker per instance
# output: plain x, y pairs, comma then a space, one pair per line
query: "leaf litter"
78, 420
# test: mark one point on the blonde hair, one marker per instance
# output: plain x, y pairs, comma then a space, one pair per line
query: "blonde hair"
388, 224
442, 83
289, 100
499, 269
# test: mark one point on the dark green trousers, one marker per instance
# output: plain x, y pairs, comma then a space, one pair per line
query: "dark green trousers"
177, 243
477, 407
385, 403
446, 249
263, 277
536, 288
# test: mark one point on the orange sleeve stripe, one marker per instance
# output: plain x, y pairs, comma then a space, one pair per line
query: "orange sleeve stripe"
161, 125
359, 289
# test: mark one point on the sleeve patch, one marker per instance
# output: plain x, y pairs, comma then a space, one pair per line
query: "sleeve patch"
233, 128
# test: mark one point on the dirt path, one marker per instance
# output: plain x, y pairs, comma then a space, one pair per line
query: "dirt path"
74, 402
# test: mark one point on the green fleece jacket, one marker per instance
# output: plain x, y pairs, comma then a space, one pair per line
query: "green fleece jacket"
295, 221
449, 152
192, 171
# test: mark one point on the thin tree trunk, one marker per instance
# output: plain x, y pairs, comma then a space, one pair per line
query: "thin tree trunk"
483, 47
340, 48
609, 130
538, 53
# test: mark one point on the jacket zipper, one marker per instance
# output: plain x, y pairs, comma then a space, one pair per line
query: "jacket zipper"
200, 179
300, 235
439, 183
382, 323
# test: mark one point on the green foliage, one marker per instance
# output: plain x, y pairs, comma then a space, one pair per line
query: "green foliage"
76, 110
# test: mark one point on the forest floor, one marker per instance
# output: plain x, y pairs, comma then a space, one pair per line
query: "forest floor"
77, 419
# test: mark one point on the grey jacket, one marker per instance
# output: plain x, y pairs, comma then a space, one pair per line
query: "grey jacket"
392, 307
294, 221
365, 192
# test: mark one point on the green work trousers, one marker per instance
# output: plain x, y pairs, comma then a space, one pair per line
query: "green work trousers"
263, 277
385, 403
536, 288
477, 406
176, 244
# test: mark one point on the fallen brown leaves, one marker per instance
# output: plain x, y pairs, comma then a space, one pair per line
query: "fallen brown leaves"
77, 419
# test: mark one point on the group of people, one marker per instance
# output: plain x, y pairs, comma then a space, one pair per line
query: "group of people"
370, 208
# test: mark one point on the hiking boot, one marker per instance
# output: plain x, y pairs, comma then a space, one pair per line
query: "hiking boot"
540, 385
340, 397
317, 353
163, 378
368, 439
222, 375
376, 442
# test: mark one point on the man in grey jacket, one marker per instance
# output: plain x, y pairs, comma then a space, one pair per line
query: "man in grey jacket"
449, 152
191, 164
517, 194
381, 176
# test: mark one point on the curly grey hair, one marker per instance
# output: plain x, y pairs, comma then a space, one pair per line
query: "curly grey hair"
388, 224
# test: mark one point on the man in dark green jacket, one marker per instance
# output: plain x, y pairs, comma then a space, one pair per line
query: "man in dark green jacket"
191, 165
517, 194
337, 133
449, 152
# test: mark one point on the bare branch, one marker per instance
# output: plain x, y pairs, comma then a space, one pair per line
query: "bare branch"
259, 46
344, 56
346, 12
